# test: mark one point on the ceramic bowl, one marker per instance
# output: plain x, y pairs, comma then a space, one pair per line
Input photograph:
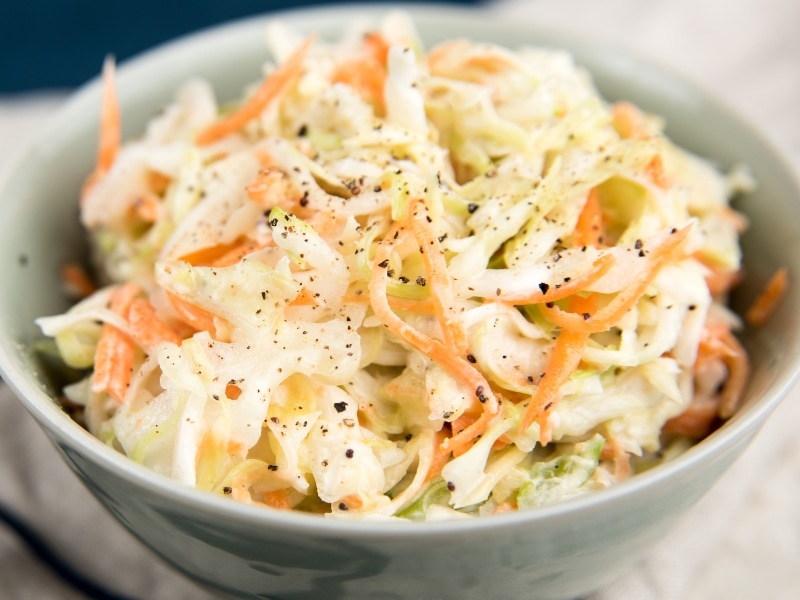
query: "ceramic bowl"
557, 552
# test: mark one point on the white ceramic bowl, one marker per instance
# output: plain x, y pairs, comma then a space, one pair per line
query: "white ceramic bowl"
556, 552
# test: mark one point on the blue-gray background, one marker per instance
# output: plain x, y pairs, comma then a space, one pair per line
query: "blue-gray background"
56, 44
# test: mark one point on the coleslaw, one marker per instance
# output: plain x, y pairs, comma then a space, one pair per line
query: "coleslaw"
399, 283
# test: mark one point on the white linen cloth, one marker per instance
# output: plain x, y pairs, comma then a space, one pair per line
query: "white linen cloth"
741, 541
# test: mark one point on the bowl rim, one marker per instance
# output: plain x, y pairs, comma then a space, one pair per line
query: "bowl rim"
52, 418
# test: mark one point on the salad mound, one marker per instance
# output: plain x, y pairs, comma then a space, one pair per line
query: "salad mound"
392, 283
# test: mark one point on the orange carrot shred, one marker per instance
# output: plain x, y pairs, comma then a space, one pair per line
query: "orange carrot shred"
440, 456
768, 299
405, 304
655, 171
576, 284
233, 391
272, 87
77, 280
438, 279
564, 359
110, 122
435, 350
694, 422
110, 134
147, 329
277, 499
115, 353
627, 120
608, 316
589, 228
191, 314
271, 188
147, 207
738, 371
367, 74
464, 439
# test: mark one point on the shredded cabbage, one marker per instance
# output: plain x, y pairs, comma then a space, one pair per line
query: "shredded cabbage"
411, 284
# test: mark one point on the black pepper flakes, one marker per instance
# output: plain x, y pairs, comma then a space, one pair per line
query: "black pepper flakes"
349, 453
227, 490
479, 392
340, 406
544, 287
451, 486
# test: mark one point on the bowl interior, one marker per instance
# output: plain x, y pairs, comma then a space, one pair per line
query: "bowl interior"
39, 192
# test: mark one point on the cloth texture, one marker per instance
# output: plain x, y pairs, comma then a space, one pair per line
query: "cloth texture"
741, 541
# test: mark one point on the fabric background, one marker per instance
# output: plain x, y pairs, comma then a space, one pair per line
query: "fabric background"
741, 541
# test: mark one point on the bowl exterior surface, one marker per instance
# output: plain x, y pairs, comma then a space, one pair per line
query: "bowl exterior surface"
558, 558
554, 553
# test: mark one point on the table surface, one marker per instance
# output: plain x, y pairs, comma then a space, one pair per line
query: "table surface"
745, 50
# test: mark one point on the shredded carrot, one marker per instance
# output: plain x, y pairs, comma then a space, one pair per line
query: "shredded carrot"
424, 306
604, 319
719, 344
589, 228
367, 77
576, 284
440, 455
110, 121
191, 314
738, 370
627, 120
223, 255
233, 391
77, 280
457, 49
205, 257
110, 135
457, 426
564, 359
655, 171
158, 182
272, 87
438, 279
147, 207
304, 298
115, 353
719, 279
442, 52
504, 507
352, 501
237, 253
147, 329
622, 461
277, 499
367, 74
435, 350
464, 439
696, 421
377, 47
272, 187
768, 299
